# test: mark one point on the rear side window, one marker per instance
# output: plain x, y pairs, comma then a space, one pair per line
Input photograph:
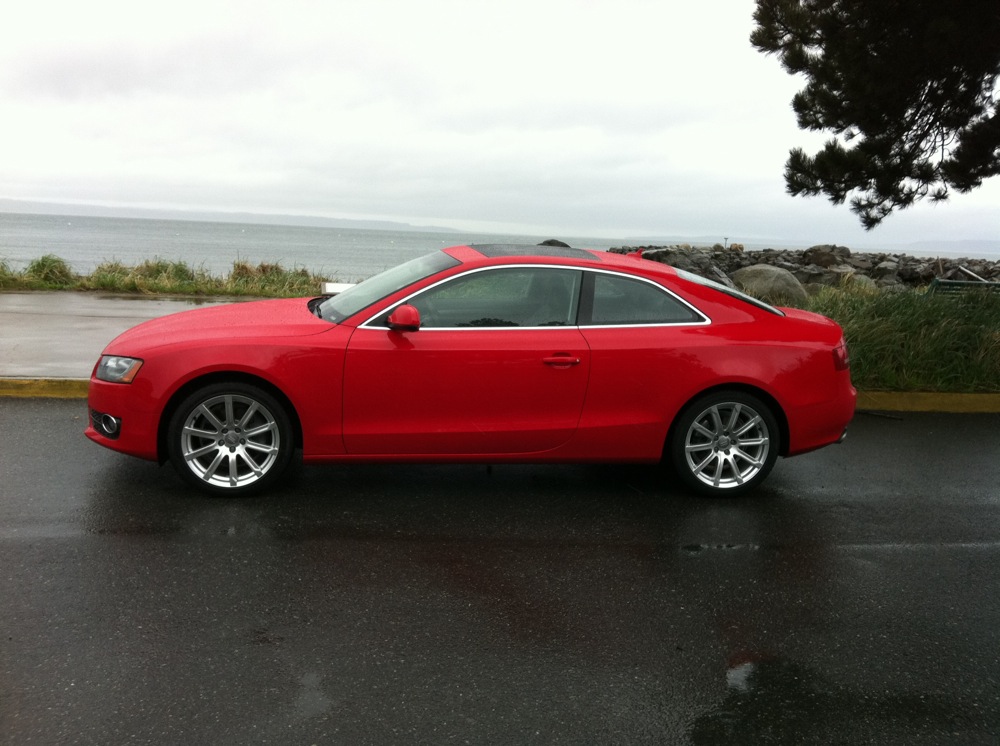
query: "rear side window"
625, 301
731, 292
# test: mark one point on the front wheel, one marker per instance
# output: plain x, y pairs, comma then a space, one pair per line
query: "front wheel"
725, 444
230, 439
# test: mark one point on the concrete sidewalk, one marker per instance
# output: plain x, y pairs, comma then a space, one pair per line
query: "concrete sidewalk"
49, 343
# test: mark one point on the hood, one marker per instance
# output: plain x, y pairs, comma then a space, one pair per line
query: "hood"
255, 319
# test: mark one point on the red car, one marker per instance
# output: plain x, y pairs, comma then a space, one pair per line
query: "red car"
491, 354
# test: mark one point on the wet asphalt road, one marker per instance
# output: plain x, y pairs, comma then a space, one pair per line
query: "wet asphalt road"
851, 600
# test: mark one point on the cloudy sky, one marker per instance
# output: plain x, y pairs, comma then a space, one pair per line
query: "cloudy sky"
601, 117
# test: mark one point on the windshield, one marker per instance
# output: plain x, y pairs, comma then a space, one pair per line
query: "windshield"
362, 295
728, 291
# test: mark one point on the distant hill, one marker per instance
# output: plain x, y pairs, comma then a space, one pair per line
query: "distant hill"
312, 221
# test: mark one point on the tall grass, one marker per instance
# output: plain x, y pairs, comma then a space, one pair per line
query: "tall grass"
159, 276
48, 271
917, 341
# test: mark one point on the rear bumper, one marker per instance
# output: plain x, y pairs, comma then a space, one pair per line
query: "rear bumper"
821, 424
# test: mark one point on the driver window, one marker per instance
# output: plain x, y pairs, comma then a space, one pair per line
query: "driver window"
504, 297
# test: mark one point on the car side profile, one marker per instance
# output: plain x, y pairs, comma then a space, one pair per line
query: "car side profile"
489, 353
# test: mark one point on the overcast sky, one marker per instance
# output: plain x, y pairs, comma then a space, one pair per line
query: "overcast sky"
603, 118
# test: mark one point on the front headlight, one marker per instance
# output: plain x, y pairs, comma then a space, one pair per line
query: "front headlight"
118, 369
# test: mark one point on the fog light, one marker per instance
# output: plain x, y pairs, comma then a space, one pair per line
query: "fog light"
108, 426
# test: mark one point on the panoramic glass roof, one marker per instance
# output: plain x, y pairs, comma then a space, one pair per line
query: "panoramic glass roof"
497, 250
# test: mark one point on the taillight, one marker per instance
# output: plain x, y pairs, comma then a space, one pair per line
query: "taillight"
841, 360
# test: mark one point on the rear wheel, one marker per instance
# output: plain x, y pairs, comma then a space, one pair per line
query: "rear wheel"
230, 439
725, 443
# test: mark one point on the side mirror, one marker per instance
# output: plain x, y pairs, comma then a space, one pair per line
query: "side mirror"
406, 318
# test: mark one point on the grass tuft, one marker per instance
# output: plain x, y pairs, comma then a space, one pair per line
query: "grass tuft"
917, 341
7, 275
49, 272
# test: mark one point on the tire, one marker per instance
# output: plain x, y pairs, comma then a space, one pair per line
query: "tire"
724, 444
230, 439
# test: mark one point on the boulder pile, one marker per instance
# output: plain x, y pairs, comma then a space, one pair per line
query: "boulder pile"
817, 267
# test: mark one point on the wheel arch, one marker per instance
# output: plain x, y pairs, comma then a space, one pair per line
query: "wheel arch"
745, 388
221, 377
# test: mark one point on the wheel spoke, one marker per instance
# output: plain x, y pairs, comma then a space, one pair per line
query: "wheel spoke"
734, 417
755, 422
700, 467
268, 427
737, 474
203, 451
213, 467
754, 462
207, 413
717, 477
254, 466
716, 420
230, 419
198, 433
251, 411
234, 470
703, 430
264, 448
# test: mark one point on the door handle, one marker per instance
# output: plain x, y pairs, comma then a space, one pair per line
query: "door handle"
561, 361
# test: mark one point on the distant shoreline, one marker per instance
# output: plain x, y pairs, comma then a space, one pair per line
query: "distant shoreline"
974, 248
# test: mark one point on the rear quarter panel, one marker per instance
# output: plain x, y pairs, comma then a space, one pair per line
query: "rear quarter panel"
643, 377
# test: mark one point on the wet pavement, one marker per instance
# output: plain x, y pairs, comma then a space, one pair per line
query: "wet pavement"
850, 600
54, 335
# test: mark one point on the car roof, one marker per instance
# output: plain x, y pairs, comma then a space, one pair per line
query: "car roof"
632, 263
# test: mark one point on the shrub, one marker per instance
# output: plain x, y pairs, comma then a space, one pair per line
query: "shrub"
50, 271
915, 341
7, 276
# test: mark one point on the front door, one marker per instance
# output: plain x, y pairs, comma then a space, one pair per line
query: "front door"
488, 372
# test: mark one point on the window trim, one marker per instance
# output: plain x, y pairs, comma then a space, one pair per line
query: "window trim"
586, 299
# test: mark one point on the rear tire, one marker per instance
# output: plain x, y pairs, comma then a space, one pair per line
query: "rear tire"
724, 444
230, 439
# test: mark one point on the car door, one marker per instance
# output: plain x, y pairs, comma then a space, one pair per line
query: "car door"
497, 366
643, 343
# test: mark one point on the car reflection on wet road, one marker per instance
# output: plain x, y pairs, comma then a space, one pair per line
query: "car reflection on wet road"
850, 599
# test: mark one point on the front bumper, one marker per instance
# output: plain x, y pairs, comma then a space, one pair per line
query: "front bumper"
136, 423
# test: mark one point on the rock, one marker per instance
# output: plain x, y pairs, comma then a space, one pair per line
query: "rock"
822, 265
771, 284
887, 268
861, 281
826, 255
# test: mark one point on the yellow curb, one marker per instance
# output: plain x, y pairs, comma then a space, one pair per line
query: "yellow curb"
915, 401
43, 388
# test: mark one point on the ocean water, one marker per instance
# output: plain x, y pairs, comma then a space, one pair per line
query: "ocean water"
349, 255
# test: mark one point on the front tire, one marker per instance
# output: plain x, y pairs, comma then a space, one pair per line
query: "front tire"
725, 444
230, 439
